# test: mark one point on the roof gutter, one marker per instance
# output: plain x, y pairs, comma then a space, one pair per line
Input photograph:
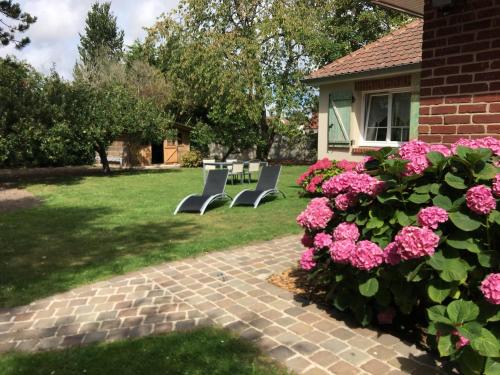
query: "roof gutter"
373, 73
391, 5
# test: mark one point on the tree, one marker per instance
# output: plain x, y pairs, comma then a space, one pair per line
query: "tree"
102, 38
236, 65
34, 126
22, 22
101, 114
113, 99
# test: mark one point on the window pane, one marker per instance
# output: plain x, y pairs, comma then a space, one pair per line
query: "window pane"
401, 105
376, 125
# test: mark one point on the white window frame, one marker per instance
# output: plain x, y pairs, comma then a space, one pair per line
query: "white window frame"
366, 111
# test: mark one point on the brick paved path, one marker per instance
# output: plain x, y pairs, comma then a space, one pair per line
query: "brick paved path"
227, 289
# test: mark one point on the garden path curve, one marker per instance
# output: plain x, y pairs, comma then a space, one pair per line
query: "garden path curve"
226, 288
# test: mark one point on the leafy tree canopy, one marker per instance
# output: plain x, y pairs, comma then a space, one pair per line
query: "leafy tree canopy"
236, 66
13, 20
101, 38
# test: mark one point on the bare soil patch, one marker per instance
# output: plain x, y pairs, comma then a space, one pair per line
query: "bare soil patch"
15, 199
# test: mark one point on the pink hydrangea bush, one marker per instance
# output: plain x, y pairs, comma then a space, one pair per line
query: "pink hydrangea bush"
312, 180
410, 230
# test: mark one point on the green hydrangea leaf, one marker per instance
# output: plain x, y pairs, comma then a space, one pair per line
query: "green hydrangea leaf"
435, 157
462, 311
369, 288
454, 181
492, 366
446, 346
487, 344
438, 290
464, 221
442, 201
470, 330
419, 198
438, 314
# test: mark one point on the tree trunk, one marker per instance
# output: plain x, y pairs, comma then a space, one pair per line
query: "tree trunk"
229, 151
101, 150
267, 135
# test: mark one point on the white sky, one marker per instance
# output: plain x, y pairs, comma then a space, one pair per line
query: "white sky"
54, 37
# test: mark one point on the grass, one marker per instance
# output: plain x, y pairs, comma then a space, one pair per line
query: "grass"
89, 228
206, 351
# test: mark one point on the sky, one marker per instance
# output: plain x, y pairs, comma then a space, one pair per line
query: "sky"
54, 37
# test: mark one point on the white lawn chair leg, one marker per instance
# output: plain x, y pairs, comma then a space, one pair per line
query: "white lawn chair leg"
235, 199
182, 202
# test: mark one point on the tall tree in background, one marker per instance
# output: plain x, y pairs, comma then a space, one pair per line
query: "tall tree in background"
13, 21
236, 65
102, 39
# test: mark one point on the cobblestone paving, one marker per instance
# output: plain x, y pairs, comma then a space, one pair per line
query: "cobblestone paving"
227, 289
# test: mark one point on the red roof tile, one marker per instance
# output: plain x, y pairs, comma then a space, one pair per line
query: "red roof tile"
401, 47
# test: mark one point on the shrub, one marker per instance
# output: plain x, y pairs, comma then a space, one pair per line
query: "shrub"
412, 235
312, 180
192, 159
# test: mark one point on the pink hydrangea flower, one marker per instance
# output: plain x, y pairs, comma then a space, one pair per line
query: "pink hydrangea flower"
307, 260
317, 214
311, 188
324, 163
462, 341
344, 201
367, 256
386, 316
417, 165
414, 242
322, 240
413, 148
391, 254
496, 185
486, 142
307, 240
445, 151
490, 287
489, 142
431, 217
341, 251
415, 152
302, 178
346, 165
351, 182
480, 200
346, 231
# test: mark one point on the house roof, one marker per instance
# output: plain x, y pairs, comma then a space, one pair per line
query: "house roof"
413, 7
400, 48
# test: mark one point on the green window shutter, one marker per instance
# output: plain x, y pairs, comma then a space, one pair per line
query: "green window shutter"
414, 115
339, 118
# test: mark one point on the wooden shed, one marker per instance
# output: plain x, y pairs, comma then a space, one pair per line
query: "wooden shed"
129, 153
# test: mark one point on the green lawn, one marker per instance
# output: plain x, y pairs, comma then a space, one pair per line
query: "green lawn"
206, 351
90, 228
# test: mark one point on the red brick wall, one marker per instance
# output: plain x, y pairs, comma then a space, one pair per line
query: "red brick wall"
460, 82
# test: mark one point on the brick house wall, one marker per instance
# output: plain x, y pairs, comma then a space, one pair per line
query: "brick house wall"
460, 79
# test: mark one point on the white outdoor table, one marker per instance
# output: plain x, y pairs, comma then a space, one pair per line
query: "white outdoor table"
225, 164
